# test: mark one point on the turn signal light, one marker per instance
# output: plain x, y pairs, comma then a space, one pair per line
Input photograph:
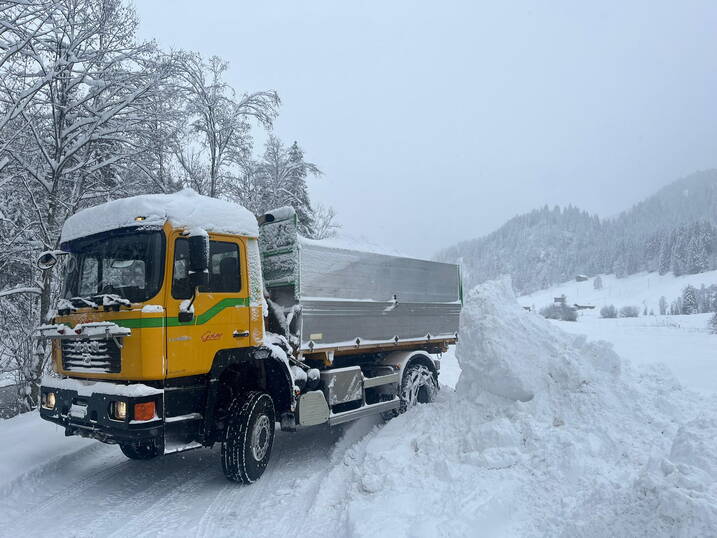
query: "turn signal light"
144, 411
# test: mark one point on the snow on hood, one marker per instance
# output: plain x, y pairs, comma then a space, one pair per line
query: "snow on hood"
547, 434
183, 209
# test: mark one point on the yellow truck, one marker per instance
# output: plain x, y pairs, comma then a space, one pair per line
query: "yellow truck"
184, 322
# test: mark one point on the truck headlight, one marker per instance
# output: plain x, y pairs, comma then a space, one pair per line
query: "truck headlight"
119, 410
49, 400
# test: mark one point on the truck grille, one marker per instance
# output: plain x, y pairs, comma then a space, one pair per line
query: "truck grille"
100, 356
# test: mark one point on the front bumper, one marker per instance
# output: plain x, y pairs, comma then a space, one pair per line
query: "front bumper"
83, 408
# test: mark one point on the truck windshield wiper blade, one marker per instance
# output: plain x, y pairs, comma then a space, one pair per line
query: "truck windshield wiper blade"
83, 302
112, 299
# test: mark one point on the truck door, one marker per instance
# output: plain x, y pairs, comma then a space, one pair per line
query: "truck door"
221, 308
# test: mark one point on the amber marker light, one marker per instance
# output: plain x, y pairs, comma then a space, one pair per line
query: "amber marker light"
144, 411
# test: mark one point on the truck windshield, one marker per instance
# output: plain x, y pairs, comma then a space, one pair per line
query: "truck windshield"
125, 265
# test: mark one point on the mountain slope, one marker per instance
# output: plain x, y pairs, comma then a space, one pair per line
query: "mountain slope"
672, 230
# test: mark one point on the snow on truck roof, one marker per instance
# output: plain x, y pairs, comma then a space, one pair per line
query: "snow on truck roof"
183, 209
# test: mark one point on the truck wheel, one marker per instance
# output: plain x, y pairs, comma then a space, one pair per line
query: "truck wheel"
249, 437
141, 450
417, 386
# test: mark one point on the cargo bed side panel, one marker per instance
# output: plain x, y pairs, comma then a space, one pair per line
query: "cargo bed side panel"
347, 294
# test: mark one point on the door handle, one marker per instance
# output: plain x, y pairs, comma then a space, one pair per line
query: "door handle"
240, 334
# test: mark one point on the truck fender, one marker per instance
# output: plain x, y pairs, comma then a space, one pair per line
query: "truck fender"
401, 359
275, 379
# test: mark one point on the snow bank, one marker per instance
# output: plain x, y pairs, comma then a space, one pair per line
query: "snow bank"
183, 209
546, 434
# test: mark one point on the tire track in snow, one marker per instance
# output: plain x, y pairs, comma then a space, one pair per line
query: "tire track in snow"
289, 487
48, 494
298, 460
146, 499
95, 491
172, 514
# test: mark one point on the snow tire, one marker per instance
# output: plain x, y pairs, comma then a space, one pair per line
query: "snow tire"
418, 385
249, 437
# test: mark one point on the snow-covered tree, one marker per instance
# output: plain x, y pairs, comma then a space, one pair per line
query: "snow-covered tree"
689, 300
665, 255
89, 113
325, 225
282, 175
220, 122
597, 283
299, 169
73, 98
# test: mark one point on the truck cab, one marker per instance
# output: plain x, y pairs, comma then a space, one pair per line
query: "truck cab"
166, 337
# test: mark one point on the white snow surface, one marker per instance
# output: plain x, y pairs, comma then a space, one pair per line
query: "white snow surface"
681, 342
546, 434
641, 290
345, 241
183, 209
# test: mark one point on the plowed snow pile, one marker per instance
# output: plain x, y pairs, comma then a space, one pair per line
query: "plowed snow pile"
546, 434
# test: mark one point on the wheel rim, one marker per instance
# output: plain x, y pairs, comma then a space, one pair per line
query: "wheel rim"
260, 437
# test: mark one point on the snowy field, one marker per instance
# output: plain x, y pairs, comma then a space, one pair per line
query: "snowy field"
546, 434
641, 290
682, 343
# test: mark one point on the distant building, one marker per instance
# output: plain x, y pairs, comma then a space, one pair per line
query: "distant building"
581, 278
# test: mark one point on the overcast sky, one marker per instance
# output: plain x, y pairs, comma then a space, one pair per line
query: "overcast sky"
437, 121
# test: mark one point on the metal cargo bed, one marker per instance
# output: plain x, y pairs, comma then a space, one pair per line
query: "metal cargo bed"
326, 297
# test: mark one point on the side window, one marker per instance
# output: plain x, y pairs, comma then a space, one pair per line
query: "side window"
224, 266
224, 275
181, 288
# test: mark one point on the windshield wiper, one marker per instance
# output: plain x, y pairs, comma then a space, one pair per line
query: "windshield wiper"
112, 299
107, 300
83, 302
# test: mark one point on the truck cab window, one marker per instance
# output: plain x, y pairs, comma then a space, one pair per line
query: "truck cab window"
224, 272
181, 287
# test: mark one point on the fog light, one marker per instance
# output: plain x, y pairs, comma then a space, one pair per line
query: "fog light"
119, 410
144, 411
48, 400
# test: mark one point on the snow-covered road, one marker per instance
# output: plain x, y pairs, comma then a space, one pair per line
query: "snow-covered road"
84, 488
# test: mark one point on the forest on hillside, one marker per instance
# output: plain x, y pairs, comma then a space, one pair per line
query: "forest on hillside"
674, 230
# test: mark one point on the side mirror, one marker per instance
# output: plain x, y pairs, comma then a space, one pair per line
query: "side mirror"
198, 260
199, 279
47, 260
